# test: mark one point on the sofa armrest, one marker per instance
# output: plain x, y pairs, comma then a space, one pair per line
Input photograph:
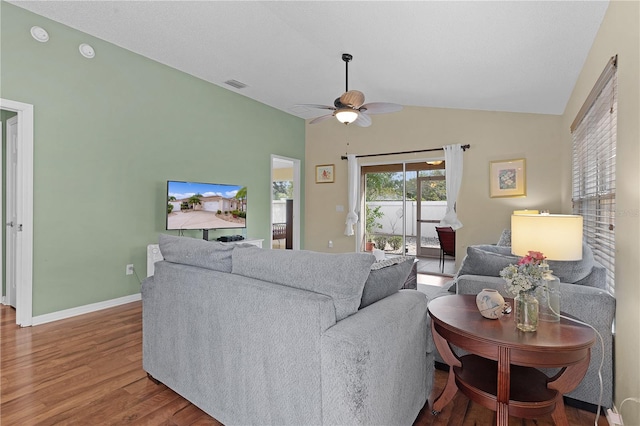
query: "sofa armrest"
375, 366
244, 350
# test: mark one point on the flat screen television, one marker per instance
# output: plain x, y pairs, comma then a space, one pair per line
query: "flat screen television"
195, 205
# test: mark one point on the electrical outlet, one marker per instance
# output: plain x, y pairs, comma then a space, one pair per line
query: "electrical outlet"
129, 270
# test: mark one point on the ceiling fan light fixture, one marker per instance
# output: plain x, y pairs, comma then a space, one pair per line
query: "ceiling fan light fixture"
346, 115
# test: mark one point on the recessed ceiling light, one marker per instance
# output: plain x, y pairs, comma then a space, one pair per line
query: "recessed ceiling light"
40, 34
87, 51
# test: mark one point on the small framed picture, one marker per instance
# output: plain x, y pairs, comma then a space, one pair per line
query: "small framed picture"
325, 173
507, 178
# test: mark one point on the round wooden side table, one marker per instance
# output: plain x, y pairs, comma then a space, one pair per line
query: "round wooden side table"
501, 370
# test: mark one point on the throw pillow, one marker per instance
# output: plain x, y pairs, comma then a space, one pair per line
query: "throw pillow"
339, 276
505, 238
386, 277
489, 260
573, 271
195, 252
486, 260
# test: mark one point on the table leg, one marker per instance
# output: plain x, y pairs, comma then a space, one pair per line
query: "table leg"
450, 358
504, 383
564, 382
559, 415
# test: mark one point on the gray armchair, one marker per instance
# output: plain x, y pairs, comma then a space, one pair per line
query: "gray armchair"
585, 298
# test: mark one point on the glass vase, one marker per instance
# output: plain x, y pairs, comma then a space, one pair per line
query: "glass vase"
526, 312
548, 295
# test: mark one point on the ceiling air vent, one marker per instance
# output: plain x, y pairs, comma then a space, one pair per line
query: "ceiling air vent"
236, 84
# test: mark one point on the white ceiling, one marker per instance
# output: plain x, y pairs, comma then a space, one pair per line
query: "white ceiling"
519, 56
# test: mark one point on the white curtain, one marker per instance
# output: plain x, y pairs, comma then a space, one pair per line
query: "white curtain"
453, 157
352, 215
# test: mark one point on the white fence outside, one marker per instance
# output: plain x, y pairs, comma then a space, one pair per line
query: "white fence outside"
392, 220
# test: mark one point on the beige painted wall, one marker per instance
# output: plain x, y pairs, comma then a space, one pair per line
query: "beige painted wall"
492, 135
619, 34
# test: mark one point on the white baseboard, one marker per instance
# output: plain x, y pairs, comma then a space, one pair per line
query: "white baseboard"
93, 307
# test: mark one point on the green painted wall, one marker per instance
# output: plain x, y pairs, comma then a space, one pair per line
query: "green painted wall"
109, 132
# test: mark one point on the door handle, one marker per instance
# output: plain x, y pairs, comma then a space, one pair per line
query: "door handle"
10, 224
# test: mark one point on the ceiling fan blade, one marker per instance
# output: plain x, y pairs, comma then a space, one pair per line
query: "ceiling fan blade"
363, 120
321, 118
352, 98
318, 106
381, 108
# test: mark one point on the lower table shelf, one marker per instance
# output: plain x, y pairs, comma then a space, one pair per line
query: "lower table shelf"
529, 396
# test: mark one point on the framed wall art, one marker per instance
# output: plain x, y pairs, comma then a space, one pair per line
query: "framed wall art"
507, 178
325, 173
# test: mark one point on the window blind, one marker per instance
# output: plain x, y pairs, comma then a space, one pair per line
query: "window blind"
594, 169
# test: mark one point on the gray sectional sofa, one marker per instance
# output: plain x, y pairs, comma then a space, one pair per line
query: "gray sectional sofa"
583, 295
255, 336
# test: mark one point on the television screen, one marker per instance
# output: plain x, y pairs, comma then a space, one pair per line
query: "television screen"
193, 205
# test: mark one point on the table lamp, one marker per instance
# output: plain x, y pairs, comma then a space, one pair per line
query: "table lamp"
556, 236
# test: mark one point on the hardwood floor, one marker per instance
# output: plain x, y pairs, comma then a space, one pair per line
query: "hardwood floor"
87, 370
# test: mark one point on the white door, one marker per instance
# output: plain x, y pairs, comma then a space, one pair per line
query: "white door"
23, 202
11, 211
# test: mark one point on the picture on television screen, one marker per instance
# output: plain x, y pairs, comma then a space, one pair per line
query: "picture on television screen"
193, 205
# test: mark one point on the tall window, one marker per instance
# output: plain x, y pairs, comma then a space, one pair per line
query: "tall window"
594, 168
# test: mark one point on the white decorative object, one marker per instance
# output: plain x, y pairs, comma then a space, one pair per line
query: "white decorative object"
490, 303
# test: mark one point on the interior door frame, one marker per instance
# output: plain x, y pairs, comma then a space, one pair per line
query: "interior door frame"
10, 190
24, 205
296, 199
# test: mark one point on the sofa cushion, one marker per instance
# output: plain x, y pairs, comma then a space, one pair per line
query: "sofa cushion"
386, 277
573, 271
195, 252
339, 276
505, 238
487, 260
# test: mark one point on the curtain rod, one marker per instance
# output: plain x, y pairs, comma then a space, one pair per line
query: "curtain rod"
464, 148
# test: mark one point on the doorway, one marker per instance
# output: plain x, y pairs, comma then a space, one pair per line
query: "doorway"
285, 203
402, 203
21, 257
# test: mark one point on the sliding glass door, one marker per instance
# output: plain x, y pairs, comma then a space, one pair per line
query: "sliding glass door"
431, 206
402, 204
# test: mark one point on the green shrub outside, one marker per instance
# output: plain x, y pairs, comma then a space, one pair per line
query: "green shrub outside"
395, 242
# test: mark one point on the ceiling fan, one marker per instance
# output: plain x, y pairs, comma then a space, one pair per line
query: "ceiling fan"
350, 106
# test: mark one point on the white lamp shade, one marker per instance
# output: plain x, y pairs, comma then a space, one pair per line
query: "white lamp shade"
556, 236
346, 115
